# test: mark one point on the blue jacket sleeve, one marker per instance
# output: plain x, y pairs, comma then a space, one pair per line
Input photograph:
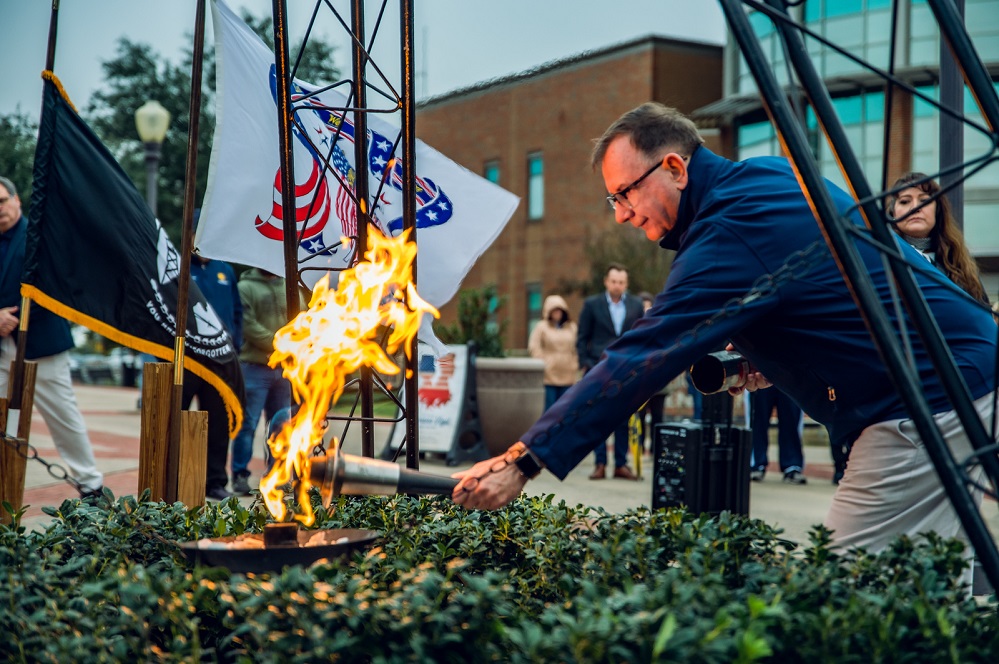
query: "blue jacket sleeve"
711, 269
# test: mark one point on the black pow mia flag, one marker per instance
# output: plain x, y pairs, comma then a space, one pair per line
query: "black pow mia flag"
97, 256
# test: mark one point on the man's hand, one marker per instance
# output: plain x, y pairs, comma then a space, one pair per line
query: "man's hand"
8, 321
489, 484
754, 381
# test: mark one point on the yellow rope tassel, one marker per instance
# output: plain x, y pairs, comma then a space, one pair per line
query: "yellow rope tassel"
49, 76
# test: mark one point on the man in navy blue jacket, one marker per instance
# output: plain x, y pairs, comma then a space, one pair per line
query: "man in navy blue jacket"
732, 223
217, 282
48, 344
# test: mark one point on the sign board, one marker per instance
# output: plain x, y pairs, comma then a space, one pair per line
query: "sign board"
441, 395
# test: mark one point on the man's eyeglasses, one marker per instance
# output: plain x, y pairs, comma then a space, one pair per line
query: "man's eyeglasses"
621, 197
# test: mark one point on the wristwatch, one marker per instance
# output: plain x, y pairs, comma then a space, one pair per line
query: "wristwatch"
527, 463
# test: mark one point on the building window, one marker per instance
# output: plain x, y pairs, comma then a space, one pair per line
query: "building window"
862, 117
490, 171
534, 302
535, 186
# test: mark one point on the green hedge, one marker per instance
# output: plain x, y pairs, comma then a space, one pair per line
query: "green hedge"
537, 582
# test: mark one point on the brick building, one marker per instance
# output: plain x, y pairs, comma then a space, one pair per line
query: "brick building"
532, 133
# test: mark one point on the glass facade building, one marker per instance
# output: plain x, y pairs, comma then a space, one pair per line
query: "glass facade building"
863, 28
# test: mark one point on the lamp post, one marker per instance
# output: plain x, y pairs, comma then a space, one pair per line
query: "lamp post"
152, 121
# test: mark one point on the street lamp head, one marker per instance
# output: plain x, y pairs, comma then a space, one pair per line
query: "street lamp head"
152, 121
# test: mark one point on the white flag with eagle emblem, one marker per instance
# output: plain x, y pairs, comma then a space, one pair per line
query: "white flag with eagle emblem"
459, 213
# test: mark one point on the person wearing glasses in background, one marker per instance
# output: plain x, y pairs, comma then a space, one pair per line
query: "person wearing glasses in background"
48, 344
732, 224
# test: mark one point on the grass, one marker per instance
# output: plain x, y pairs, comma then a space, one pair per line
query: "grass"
382, 406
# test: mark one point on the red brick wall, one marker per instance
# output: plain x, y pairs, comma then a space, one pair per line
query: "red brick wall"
558, 113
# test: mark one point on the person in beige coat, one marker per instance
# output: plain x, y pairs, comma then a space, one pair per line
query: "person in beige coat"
554, 341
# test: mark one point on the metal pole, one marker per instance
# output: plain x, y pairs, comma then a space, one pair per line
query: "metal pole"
950, 377
187, 245
837, 235
153, 152
975, 74
360, 63
285, 147
409, 218
15, 385
952, 129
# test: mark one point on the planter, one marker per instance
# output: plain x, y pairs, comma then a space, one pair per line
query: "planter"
511, 397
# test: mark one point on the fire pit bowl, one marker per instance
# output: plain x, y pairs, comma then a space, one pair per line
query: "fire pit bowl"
248, 554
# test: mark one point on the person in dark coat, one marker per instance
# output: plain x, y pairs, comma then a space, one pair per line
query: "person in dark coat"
604, 318
48, 344
217, 282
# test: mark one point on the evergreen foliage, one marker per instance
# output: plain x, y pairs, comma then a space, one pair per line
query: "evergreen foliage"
538, 581
477, 322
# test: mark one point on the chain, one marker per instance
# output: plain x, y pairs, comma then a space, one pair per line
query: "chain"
319, 449
28, 451
797, 265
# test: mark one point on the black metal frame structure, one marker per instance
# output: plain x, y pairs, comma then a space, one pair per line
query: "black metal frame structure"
396, 99
841, 235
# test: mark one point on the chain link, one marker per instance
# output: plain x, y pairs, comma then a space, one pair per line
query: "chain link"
319, 449
28, 451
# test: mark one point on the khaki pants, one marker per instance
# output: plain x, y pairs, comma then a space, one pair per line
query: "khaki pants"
56, 401
891, 486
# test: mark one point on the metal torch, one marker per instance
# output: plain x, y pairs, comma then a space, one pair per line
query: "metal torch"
345, 474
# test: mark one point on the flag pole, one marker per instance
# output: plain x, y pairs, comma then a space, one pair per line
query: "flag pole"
360, 64
17, 367
187, 245
279, 15
411, 390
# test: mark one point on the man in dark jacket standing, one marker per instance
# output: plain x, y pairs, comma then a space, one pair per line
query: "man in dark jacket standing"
48, 344
604, 318
217, 282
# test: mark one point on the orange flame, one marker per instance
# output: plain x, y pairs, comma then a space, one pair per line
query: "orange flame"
335, 337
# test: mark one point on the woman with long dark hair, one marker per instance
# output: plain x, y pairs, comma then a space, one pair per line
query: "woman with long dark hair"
933, 231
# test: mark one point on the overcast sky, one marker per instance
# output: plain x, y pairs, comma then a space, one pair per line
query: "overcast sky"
458, 42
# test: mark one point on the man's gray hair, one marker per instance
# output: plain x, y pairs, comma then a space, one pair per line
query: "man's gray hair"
654, 129
9, 186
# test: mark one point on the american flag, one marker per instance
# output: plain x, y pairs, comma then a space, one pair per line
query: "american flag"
346, 200
435, 374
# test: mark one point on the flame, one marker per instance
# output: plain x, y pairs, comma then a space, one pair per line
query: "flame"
335, 337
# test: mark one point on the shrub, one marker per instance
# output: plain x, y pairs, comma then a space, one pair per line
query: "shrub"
538, 581
477, 308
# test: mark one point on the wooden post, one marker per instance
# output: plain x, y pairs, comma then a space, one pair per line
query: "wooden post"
193, 461
13, 461
157, 383
11, 464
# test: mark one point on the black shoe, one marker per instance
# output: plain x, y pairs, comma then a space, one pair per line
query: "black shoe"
91, 494
218, 493
794, 477
837, 476
757, 475
241, 485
